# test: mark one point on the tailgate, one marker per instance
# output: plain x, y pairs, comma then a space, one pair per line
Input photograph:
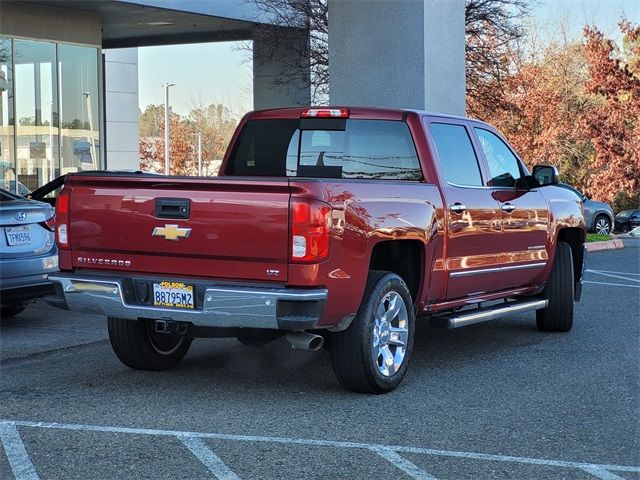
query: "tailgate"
231, 229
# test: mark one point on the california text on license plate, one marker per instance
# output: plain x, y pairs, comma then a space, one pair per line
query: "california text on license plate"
173, 294
18, 235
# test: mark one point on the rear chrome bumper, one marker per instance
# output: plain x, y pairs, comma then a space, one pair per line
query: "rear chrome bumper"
221, 306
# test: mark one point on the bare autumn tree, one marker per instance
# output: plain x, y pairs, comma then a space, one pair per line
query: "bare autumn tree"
492, 27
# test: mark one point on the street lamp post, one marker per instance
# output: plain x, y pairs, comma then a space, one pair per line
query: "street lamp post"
166, 126
199, 135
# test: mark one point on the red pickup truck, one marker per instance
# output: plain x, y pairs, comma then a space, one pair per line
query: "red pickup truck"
337, 223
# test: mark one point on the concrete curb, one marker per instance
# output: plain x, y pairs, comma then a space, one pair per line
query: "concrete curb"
607, 245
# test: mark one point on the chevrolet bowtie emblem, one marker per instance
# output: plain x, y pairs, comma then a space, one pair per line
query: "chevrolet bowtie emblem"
171, 232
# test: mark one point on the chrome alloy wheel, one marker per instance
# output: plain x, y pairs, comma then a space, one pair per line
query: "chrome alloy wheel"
603, 227
390, 334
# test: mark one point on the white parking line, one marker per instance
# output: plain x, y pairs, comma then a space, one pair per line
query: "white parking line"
614, 276
598, 470
602, 473
208, 458
17, 455
611, 284
403, 464
609, 271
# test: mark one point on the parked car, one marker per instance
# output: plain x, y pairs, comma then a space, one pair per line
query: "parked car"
348, 223
598, 215
627, 220
28, 252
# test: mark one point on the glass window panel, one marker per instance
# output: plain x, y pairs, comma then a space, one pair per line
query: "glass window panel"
36, 113
7, 160
79, 114
503, 164
456, 154
365, 149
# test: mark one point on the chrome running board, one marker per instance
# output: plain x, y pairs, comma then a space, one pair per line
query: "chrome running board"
469, 317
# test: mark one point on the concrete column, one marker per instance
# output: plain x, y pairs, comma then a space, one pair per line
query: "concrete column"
121, 109
280, 69
398, 54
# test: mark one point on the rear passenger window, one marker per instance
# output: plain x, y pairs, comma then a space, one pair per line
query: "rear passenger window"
372, 149
456, 154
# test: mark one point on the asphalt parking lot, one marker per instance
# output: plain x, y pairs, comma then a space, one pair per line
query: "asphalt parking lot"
493, 401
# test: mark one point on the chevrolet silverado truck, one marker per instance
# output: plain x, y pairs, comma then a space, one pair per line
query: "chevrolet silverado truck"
340, 223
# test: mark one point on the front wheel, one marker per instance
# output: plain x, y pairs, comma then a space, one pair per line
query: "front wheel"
138, 346
603, 225
371, 356
559, 292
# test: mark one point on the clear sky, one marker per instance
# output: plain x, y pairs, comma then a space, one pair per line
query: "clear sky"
220, 73
604, 14
203, 73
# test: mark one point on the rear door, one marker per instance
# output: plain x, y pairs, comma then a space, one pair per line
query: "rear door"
472, 215
524, 212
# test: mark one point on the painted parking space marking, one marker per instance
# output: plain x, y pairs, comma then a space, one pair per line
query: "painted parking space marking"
610, 284
611, 275
609, 271
210, 460
218, 468
403, 464
602, 473
16, 453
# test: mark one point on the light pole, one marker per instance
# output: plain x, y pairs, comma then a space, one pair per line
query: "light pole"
199, 135
166, 126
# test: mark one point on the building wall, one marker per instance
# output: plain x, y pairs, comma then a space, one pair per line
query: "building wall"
121, 109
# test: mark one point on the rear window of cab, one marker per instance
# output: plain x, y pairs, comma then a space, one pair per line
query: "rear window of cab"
365, 149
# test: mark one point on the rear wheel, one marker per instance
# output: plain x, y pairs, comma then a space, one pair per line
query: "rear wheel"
9, 311
138, 346
371, 356
603, 225
559, 292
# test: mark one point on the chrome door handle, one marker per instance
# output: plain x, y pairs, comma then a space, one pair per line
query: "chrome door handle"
458, 207
507, 207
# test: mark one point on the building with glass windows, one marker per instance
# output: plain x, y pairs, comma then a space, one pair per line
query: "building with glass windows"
68, 69
50, 110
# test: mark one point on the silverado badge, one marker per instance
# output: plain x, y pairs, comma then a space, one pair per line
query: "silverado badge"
171, 232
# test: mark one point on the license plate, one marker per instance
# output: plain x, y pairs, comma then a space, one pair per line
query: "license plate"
18, 235
173, 294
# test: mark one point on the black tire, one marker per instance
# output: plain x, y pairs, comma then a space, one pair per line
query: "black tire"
352, 350
559, 291
139, 347
602, 223
9, 311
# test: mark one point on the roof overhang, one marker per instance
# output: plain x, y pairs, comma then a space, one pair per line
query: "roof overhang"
165, 22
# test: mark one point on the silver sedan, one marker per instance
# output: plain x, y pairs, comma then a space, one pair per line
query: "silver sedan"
28, 251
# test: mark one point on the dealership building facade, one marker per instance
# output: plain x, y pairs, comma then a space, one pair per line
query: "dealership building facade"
69, 73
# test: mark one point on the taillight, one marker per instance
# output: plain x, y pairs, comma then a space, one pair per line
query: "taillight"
62, 219
310, 230
325, 113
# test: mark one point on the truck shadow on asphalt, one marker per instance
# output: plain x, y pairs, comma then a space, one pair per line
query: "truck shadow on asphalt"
228, 364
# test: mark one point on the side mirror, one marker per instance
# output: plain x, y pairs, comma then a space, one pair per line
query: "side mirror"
545, 175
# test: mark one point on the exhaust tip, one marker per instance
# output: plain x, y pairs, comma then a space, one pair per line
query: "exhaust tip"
305, 341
